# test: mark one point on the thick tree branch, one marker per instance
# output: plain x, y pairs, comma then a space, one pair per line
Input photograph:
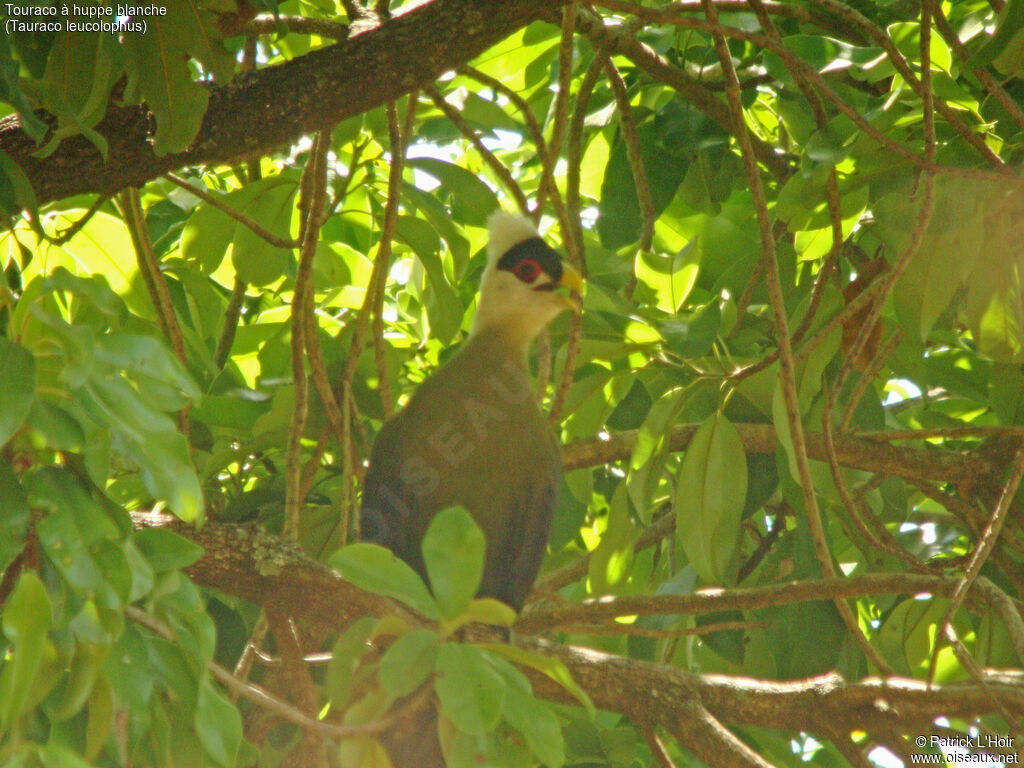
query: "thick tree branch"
260, 111
259, 567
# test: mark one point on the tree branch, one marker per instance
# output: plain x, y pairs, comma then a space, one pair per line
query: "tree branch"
258, 112
869, 455
259, 567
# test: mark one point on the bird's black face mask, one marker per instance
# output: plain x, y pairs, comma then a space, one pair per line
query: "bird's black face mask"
535, 251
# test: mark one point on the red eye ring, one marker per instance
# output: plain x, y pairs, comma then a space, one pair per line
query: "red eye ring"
527, 270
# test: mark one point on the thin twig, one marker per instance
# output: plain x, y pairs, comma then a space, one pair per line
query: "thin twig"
546, 616
991, 85
159, 294
260, 696
573, 205
876, 534
232, 314
922, 85
548, 157
831, 261
620, 39
797, 66
497, 167
373, 302
978, 676
399, 134
631, 138
311, 205
710, 741
661, 755
786, 360
946, 433
726, 6
766, 543
986, 542
633, 630
76, 226
1005, 606
867, 378
565, 72
241, 218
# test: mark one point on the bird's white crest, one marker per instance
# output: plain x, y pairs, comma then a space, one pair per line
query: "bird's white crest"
506, 230
506, 303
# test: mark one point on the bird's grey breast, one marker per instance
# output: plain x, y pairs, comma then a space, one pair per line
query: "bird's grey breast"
490, 427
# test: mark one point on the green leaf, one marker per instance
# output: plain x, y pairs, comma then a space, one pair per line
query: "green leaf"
995, 302
444, 308
619, 219
100, 719
1006, 390
72, 522
1004, 47
146, 357
907, 37
611, 561
209, 231
59, 428
346, 654
16, 192
80, 71
207, 234
946, 256
11, 93
693, 334
376, 569
709, 498
453, 551
166, 550
546, 665
797, 652
670, 276
408, 661
26, 620
469, 689
256, 261
86, 667
537, 723
233, 411
647, 463
184, 610
907, 638
472, 201
19, 388
56, 756
94, 289
487, 610
128, 670
218, 725
157, 66
150, 438
14, 516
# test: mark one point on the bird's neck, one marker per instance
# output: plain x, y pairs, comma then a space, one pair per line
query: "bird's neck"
513, 341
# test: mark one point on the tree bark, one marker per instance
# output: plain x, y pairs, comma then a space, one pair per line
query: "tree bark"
256, 566
273, 107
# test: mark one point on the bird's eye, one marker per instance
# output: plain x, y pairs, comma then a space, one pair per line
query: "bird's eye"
526, 270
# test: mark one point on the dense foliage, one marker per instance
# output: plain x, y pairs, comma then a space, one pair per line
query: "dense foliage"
797, 377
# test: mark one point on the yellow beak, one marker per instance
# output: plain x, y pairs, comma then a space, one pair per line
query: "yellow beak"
572, 280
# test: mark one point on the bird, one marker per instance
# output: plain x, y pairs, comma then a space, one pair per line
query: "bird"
473, 434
